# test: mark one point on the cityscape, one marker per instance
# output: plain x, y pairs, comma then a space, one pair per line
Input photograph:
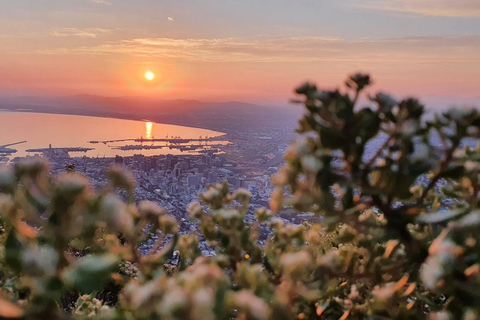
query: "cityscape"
244, 160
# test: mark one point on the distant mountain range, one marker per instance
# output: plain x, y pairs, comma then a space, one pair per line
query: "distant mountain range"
222, 116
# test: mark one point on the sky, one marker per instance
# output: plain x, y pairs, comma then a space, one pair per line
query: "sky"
247, 50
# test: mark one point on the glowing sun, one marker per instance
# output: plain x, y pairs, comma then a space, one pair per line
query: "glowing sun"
149, 75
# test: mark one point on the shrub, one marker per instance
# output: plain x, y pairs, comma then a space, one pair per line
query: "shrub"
399, 238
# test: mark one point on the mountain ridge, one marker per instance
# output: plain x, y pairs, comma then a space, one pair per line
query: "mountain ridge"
222, 116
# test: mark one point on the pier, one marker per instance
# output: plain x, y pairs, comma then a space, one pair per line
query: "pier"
67, 149
5, 150
174, 140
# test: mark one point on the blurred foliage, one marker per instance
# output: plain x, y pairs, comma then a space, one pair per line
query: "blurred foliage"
399, 237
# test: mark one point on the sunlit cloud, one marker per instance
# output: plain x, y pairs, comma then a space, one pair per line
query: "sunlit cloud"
170, 18
78, 32
105, 2
295, 49
444, 8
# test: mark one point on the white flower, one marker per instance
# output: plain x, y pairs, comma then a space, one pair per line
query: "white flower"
72, 184
242, 195
140, 295
311, 164
420, 153
440, 315
195, 209
281, 177
203, 304
384, 292
115, 213
331, 259
252, 305
471, 165
211, 193
442, 255
150, 210
297, 148
227, 213
168, 224
295, 263
173, 300
120, 177
40, 261
409, 128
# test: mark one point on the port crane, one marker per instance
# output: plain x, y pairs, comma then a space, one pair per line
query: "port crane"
5, 150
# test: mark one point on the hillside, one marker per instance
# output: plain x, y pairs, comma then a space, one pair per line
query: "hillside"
222, 116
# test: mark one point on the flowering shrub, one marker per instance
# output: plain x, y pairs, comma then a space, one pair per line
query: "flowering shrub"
399, 238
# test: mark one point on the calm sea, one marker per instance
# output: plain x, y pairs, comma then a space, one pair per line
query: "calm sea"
42, 130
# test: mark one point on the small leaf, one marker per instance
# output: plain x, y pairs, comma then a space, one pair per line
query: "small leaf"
92, 272
440, 217
13, 249
389, 247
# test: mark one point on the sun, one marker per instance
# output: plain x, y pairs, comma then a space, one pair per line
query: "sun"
149, 75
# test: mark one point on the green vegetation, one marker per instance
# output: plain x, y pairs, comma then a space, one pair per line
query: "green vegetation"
389, 247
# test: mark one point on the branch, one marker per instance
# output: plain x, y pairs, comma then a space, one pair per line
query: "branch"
442, 168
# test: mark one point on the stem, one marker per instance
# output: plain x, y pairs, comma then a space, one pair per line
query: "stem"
442, 168
157, 244
379, 151
136, 256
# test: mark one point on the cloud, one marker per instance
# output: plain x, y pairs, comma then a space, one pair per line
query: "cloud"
169, 18
105, 2
79, 32
444, 8
208, 49
296, 49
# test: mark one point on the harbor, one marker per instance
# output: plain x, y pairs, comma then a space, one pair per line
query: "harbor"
79, 136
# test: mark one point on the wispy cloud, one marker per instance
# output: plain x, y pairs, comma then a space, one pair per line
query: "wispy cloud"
445, 8
170, 18
79, 32
105, 2
297, 49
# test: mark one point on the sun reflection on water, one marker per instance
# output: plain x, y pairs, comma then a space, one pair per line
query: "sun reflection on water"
148, 130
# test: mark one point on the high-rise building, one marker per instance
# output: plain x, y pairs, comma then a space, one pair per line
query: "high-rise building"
207, 159
183, 165
119, 160
193, 180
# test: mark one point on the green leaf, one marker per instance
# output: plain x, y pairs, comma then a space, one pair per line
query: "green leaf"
13, 250
347, 200
92, 272
331, 138
453, 172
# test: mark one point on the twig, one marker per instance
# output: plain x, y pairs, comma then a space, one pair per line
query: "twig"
157, 244
433, 182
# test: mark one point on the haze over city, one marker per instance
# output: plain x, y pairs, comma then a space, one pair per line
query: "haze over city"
251, 51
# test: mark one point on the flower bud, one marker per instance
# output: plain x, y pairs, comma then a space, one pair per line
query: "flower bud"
150, 211
115, 213
168, 224
195, 209
121, 178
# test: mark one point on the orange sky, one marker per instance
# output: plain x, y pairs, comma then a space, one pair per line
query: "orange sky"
255, 51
